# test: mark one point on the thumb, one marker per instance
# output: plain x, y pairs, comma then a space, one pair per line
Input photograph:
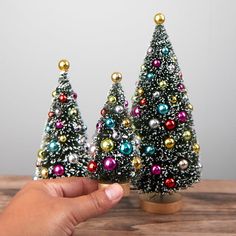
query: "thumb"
95, 203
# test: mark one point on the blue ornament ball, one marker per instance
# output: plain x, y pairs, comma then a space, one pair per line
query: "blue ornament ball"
53, 146
150, 150
162, 109
150, 76
165, 51
110, 123
126, 148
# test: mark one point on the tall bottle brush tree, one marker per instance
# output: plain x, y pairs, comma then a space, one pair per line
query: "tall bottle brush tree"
162, 115
63, 151
114, 148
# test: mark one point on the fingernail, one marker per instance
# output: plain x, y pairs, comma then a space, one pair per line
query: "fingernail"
114, 191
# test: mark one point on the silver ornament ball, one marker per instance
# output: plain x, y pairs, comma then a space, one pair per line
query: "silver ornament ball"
137, 140
92, 149
58, 112
156, 94
73, 158
171, 68
119, 109
154, 123
115, 135
183, 164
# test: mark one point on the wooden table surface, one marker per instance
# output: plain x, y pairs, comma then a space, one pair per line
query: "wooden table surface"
209, 209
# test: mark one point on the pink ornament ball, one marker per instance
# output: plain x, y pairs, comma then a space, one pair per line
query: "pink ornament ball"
156, 63
99, 126
58, 170
136, 112
156, 170
75, 95
181, 87
59, 124
149, 51
182, 116
126, 104
109, 163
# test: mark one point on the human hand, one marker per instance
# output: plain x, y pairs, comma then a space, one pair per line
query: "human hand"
54, 207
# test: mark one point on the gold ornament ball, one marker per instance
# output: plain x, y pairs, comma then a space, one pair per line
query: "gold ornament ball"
63, 65
41, 154
163, 84
54, 94
140, 92
73, 111
116, 77
126, 122
44, 173
143, 67
133, 127
173, 99
174, 59
187, 135
169, 143
107, 145
137, 163
159, 18
196, 148
190, 106
62, 138
111, 99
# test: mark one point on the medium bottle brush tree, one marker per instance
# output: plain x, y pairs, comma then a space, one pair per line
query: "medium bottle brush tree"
114, 147
63, 151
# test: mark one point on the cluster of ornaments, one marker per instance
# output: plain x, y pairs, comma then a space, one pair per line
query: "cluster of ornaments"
161, 113
154, 145
63, 151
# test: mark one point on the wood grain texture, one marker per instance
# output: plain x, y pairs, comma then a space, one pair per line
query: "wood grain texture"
209, 209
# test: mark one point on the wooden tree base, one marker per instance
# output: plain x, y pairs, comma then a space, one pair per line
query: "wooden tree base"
161, 204
125, 186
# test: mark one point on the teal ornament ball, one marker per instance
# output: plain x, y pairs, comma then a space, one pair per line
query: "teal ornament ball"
47, 128
162, 109
150, 150
126, 148
53, 146
150, 76
165, 51
110, 123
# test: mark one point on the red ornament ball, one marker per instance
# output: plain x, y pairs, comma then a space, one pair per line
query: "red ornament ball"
63, 98
92, 166
143, 102
103, 112
170, 183
50, 114
170, 124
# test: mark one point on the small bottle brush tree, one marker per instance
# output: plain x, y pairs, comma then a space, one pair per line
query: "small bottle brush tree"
63, 151
114, 149
162, 115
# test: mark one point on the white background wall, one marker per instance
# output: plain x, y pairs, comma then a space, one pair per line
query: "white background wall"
99, 37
